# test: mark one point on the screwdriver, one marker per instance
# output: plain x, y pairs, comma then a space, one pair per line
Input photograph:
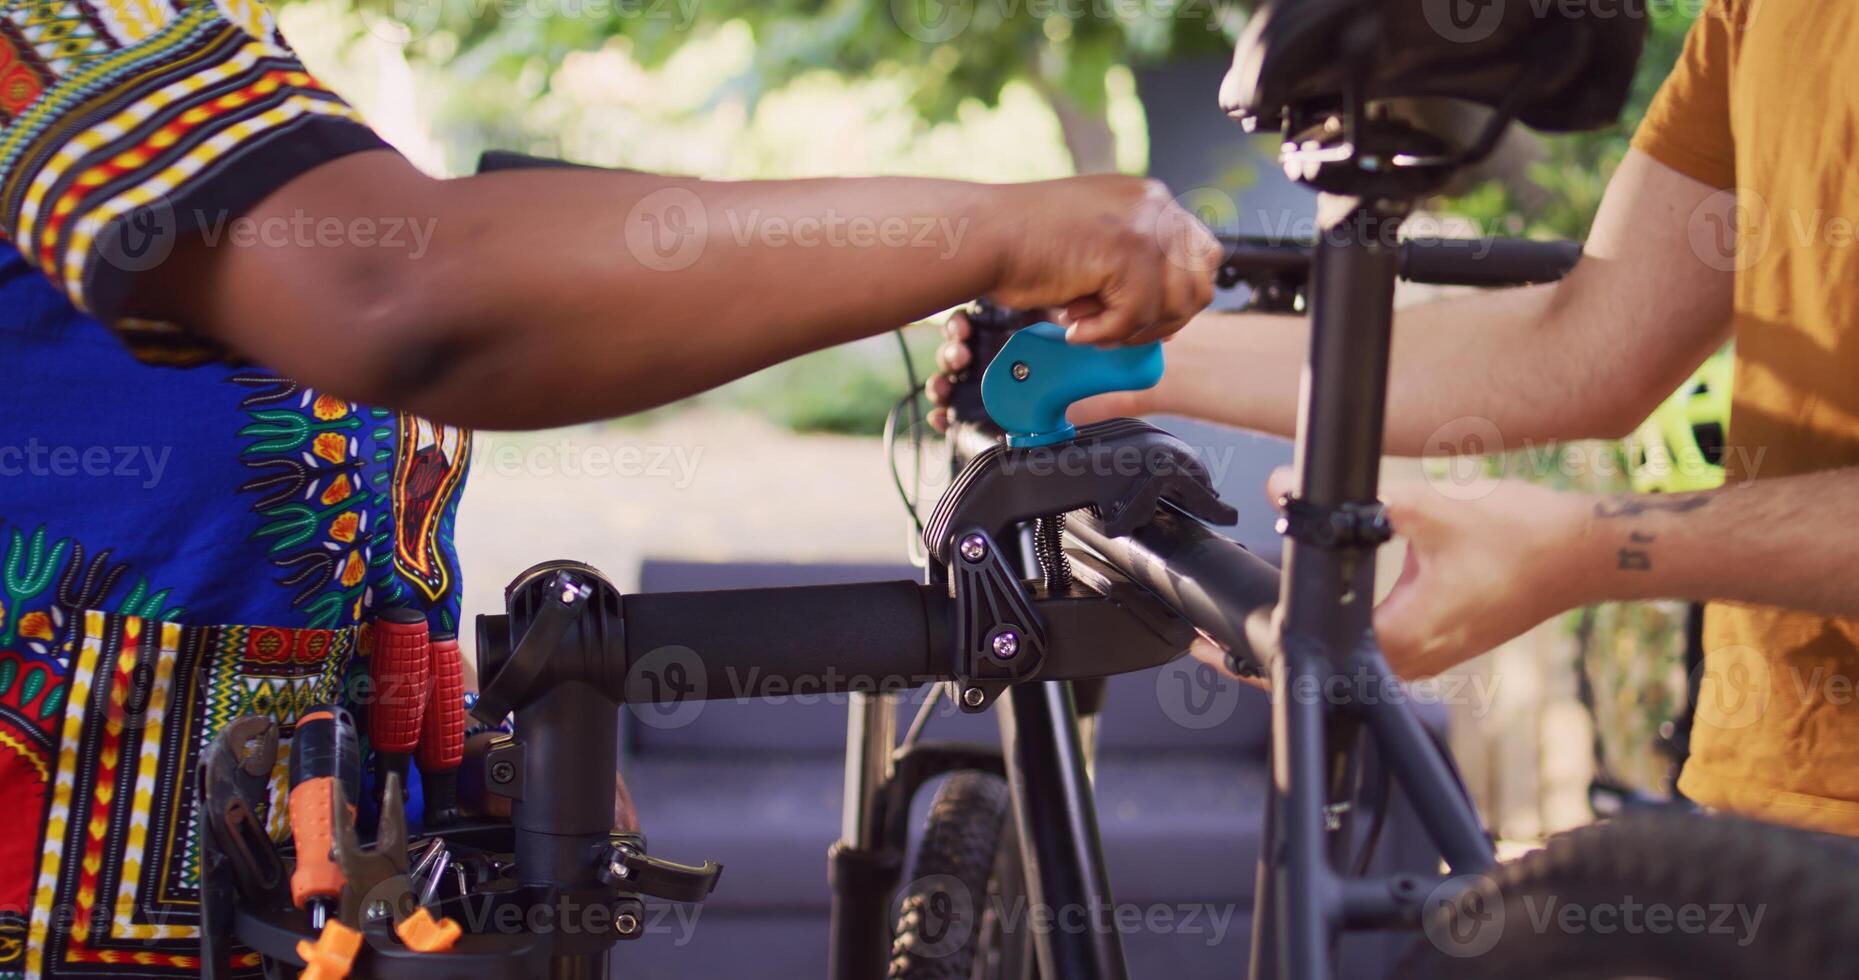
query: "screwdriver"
401, 669
323, 751
442, 733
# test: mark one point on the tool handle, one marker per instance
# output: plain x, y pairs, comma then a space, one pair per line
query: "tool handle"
1037, 375
401, 670
442, 736
316, 875
323, 750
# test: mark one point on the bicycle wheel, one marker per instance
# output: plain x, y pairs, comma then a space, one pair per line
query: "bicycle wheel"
958, 917
1655, 895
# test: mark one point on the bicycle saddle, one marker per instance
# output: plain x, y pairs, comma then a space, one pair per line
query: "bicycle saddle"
1559, 67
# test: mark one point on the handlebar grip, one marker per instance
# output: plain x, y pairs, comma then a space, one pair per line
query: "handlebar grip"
868, 636
442, 729
1486, 261
401, 669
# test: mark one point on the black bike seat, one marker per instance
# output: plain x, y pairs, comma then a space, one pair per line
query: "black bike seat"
1565, 67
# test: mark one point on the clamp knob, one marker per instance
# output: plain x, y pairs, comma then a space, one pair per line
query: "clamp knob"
1037, 375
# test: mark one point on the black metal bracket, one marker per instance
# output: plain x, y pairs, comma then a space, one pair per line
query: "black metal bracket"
1351, 525
999, 636
629, 867
1120, 469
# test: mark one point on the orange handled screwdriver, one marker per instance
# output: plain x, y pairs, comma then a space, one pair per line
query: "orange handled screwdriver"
442, 733
401, 669
322, 751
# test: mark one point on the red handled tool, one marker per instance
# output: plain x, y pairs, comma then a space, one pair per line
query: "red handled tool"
442, 733
401, 672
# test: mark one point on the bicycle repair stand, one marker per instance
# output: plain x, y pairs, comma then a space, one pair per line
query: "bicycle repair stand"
555, 888
995, 545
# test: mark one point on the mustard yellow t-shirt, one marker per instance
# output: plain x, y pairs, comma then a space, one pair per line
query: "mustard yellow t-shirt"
1765, 104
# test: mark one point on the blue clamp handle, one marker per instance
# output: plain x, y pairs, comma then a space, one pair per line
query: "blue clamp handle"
1037, 375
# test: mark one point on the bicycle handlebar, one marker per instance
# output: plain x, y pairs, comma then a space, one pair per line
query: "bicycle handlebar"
750, 643
1483, 262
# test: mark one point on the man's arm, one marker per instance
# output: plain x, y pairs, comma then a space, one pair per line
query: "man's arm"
557, 295
1491, 560
1589, 356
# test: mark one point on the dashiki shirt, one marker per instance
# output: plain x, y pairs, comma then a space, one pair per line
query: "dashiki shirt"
183, 539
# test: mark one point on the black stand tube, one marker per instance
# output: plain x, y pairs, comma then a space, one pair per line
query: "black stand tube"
1057, 819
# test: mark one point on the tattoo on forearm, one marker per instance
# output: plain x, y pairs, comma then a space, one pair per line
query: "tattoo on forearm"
1637, 559
1636, 506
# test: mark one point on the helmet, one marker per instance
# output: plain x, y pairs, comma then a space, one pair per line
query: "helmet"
1680, 446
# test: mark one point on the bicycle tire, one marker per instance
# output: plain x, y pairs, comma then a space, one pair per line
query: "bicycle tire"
947, 914
1515, 924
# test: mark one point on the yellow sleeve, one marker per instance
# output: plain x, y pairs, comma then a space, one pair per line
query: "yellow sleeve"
1687, 126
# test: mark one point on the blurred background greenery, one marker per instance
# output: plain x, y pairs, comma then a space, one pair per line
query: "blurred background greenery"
1026, 89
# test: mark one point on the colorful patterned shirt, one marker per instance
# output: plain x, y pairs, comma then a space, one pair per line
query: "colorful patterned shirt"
183, 539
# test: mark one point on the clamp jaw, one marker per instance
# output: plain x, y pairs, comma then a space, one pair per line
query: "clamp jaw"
1119, 471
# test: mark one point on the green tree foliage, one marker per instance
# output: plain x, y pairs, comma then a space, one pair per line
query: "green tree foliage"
947, 51
1575, 168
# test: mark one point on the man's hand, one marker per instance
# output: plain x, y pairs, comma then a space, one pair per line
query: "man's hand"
1484, 565
1119, 260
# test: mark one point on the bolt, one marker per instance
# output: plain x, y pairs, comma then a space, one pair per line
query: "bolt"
1006, 644
379, 909
502, 771
626, 923
974, 548
1020, 371
973, 697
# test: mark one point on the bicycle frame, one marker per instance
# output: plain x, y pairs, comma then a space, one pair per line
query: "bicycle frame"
1330, 681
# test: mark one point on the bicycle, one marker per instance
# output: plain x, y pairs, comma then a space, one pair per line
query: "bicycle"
1008, 613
